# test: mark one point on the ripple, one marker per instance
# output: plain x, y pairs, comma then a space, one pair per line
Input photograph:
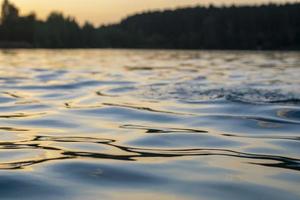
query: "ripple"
21, 115
170, 124
236, 94
162, 130
13, 129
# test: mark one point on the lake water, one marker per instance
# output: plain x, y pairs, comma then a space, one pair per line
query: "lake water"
167, 125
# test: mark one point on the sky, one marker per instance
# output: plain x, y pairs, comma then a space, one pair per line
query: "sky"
110, 11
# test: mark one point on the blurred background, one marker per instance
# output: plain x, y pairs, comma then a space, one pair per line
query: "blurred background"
186, 24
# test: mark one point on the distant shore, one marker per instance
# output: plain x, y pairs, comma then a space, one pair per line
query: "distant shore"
265, 27
17, 45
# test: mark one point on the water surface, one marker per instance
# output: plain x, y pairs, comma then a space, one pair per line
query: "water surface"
129, 124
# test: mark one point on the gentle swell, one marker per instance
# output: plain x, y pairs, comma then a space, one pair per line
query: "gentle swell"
149, 124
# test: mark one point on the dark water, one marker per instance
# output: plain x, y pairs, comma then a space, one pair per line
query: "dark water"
118, 124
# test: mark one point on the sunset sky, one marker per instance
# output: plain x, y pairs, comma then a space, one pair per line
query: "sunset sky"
109, 11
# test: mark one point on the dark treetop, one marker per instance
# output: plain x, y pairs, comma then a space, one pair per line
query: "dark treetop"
245, 27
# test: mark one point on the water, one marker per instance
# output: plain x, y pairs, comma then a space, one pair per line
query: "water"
120, 124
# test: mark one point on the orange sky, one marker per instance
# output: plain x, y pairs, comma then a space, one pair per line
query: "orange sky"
108, 11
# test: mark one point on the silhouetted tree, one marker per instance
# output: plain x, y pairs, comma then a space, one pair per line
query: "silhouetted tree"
58, 32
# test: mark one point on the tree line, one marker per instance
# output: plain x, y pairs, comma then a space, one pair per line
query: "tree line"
234, 27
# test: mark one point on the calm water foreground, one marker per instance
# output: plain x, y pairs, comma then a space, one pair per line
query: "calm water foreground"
119, 124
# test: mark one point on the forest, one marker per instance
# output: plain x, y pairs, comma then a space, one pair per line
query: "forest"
263, 27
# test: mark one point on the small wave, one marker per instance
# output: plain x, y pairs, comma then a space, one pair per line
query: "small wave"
244, 95
162, 130
20, 115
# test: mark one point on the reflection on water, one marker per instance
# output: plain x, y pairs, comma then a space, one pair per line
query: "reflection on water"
119, 124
